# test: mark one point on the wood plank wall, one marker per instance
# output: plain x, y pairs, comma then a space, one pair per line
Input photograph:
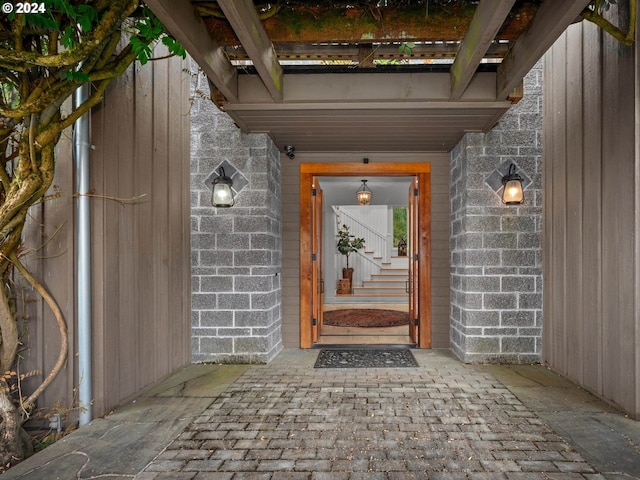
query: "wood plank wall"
439, 237
141, 279
591, 181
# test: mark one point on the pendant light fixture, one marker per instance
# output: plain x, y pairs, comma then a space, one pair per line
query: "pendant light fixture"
364, 194
221, 193
512, 193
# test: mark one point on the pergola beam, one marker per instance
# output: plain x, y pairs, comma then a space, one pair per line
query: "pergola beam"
551, 20
180, 19
490, 15
244, 20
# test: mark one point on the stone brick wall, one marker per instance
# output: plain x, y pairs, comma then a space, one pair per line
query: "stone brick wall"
496, 272
236, 252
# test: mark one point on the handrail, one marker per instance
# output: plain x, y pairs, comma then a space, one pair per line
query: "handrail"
369, 228
376, 243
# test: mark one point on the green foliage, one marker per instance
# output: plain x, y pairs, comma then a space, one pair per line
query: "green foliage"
72, 20
406, 48
347, 243
399, 224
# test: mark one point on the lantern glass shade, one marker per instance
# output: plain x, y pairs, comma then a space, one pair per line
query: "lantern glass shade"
364, 194
221, 193
512, 193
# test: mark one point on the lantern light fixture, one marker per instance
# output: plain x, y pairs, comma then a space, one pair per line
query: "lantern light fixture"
221, 193
512, 193
364, 194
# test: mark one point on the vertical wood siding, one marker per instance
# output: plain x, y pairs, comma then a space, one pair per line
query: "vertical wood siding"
439, 238
140, 249
591, 300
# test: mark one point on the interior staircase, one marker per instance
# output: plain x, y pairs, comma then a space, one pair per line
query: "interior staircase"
383, 276
391, 281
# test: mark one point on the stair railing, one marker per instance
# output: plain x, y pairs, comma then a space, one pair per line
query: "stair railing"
364, 262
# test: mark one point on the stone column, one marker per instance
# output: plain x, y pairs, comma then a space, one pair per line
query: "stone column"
236, 252
496, 273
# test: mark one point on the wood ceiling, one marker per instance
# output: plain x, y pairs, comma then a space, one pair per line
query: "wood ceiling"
395, 75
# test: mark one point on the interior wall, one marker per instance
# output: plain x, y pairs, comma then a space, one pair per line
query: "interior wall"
140, 250
439, 236
591, 219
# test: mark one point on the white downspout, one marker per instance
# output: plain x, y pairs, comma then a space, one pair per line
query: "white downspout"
81, 149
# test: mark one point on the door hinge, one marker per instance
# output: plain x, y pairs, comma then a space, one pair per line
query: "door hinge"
415, 192
313, 192
415, 322
314, 322
415, 257
314, 257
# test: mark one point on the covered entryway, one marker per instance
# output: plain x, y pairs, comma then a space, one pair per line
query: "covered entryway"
312, 283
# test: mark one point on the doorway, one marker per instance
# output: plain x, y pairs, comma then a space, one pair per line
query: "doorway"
312, 275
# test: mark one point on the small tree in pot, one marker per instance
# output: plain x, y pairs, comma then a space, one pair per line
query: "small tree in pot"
348, 244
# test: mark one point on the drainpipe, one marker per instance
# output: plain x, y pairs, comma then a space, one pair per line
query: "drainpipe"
81, 149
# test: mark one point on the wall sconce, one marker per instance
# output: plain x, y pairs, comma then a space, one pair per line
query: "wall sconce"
364, 194
221, 193
512, 193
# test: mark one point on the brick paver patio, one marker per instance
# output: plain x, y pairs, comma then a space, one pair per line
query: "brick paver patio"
443, 420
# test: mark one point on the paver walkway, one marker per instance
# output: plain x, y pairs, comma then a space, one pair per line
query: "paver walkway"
444, 420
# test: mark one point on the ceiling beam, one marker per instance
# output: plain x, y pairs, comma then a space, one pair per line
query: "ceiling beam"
386, 51
489, 17
244, 20
181, 21
550, 21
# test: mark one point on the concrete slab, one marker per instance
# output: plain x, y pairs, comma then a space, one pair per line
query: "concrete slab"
123, 443
604, 437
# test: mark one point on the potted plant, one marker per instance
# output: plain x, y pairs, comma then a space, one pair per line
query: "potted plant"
348, 244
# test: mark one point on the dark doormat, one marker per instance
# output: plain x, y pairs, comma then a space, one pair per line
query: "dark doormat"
374, 358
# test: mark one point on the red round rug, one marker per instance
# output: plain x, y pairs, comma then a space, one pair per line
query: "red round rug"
366, 317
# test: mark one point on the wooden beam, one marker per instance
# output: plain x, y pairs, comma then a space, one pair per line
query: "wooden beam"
550, 21
244, 20
350, 52
489, 17
180, 19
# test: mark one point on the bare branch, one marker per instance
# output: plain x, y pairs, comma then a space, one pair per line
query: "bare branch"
627, 38
62, 327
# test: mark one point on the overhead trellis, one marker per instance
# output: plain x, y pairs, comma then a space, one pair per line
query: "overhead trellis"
301, 21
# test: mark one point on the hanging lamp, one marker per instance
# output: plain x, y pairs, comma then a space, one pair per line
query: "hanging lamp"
364, 194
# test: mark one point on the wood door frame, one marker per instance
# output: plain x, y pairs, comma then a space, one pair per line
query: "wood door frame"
421, 170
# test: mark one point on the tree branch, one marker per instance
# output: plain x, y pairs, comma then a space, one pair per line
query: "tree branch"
47, 136
114, 17
9, 331
62, 327
617, 33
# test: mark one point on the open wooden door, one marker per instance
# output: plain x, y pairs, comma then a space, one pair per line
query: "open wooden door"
412, 243
316, 257
311, 279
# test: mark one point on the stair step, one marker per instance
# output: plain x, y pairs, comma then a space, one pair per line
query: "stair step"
378, 295
384, 283
379, 291
389, 276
